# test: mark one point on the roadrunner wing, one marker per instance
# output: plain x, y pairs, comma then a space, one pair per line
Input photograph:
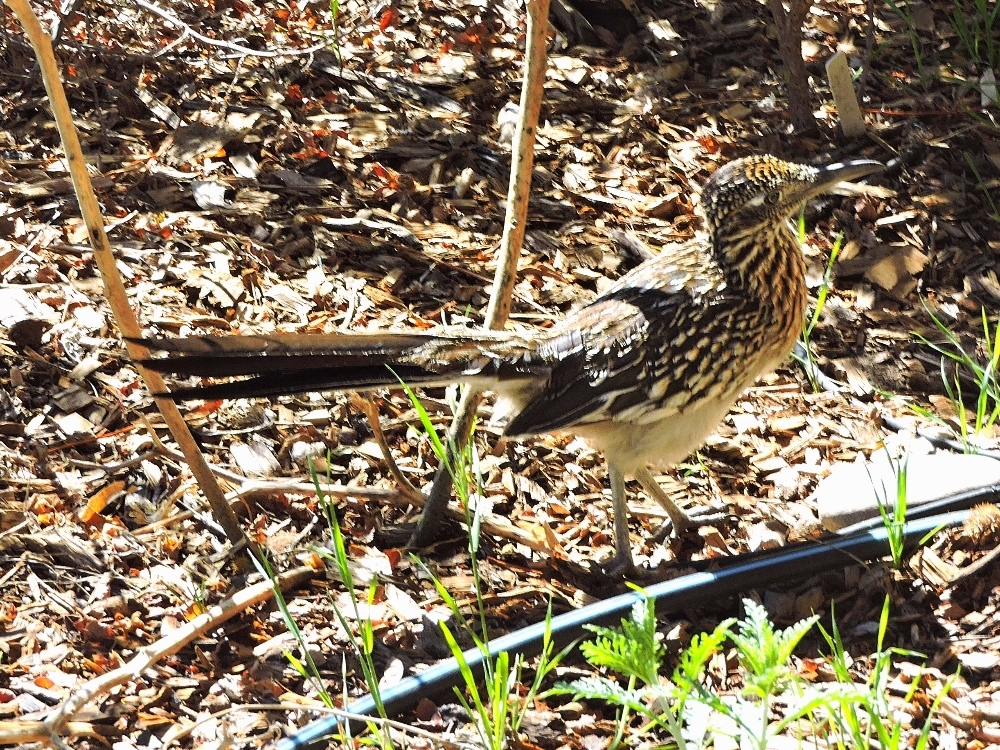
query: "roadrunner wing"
630, 351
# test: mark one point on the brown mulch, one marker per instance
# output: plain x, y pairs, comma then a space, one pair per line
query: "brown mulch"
302, 195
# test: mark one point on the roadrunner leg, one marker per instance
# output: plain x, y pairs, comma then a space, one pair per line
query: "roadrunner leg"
680, 518
622, 561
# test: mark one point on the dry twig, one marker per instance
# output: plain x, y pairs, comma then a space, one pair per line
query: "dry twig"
523, 159
790, 46
107, 264
59, 722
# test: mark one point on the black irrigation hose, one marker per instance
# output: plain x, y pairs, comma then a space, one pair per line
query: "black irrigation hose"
898, 425
862, 541
779, 566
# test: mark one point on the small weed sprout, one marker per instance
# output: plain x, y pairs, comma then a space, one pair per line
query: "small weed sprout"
335, 19
987, 410
894, 513
364, 641
821, 296
867, 719
977, 32
904, 11
306, 668
497, 718
994, 213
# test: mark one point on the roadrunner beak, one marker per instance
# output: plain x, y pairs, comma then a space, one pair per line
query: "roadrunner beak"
844, 171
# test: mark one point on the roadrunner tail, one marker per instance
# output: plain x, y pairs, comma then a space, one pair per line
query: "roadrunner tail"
293, 363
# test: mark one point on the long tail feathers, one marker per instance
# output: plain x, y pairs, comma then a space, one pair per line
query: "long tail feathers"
295, 363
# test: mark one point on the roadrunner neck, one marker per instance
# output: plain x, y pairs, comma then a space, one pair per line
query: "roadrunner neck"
747, 205
764, 264
755, 257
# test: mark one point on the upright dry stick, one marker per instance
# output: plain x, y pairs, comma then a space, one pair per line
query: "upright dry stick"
789, 25
522, 162
113, 286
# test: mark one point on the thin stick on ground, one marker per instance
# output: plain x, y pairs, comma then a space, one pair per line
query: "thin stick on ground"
522, 162
371, 411
107, 264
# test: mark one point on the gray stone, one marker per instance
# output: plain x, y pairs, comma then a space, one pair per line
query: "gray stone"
853, 492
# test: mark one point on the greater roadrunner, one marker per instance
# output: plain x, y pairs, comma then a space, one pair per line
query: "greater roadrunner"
644, 372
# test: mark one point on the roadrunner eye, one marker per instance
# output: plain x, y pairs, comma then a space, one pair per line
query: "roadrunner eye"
773, 198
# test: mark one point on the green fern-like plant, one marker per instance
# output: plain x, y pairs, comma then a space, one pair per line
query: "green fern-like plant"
634, 649
764, 652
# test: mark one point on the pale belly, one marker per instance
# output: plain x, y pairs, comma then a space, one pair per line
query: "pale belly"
630, 446
651, 441
664, 442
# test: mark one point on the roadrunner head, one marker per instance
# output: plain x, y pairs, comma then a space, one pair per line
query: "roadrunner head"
747, 205
760, 192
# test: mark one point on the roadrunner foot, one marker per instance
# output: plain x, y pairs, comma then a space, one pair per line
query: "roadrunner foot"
704, 515
619, 566
681, 519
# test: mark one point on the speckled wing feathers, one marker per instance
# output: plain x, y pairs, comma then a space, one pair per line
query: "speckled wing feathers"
651, 343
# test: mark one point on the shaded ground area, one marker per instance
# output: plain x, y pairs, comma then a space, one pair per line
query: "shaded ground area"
362, 186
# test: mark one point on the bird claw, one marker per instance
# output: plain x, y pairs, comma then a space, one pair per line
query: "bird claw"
696, 517
619, 566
